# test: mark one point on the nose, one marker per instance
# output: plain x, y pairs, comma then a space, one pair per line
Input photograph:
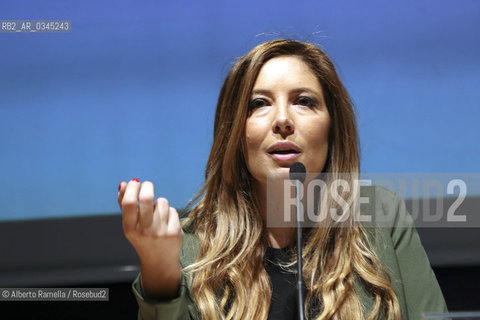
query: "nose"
283, 122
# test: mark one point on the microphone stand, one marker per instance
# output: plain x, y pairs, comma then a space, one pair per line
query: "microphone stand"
301, 315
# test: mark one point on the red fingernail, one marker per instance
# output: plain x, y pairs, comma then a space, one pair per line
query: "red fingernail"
120, 186
135, 179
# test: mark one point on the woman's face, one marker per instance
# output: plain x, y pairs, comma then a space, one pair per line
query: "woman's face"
288, 120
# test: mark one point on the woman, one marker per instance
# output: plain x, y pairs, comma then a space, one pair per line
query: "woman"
282, 102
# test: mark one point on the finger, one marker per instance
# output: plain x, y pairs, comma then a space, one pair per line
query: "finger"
130, 206
161, 214
121, 192
174, 226
145, 200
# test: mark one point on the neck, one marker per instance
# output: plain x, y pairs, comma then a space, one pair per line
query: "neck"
277, 237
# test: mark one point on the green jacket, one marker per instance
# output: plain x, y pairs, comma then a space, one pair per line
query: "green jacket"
398, 247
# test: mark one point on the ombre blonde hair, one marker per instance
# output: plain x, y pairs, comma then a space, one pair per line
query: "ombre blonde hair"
228, 277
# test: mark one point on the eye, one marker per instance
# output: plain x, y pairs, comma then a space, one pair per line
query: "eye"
306, 101
257, 103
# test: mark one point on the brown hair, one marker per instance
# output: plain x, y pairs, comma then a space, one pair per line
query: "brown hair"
229, 280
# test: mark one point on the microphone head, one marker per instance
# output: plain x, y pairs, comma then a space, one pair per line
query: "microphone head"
298, 172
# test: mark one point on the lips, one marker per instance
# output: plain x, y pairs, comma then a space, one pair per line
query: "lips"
284, 151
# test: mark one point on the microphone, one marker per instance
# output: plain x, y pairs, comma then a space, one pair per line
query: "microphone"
297, 175
298, 172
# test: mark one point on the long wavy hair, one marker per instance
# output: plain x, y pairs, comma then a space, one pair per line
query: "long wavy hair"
228, 277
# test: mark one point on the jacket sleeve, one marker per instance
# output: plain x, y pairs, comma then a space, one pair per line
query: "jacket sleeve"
421, 290
181, 307
175, 309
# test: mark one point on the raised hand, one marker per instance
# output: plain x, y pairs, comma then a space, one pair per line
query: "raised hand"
153, 228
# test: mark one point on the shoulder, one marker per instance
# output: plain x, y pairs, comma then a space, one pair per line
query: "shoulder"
385, 210
380, 210
390, 226
379, 200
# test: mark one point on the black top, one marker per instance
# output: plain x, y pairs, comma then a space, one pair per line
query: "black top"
284, 303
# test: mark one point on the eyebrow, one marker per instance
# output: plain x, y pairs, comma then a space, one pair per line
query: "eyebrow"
296, 90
